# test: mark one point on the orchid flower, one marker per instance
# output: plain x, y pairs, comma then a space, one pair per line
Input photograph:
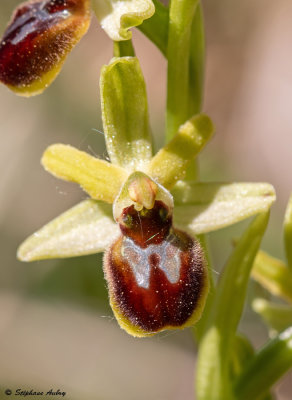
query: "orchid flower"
142, 211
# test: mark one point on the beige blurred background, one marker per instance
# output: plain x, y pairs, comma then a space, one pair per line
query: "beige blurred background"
56, 328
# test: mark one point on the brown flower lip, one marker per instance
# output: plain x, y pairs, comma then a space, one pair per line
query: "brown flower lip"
38, 38
154, 284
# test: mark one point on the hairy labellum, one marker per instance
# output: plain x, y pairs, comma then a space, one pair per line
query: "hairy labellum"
37, 40
156, 274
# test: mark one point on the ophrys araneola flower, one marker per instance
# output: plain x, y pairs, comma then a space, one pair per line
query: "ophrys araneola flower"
154, 265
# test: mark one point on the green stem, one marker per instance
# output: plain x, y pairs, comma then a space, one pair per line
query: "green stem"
196, 84
266, 368
197, 63
181, 15
156, 29
124, 48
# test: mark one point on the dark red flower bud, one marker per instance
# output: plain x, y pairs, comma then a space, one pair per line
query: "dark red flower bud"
37, 41
157, 275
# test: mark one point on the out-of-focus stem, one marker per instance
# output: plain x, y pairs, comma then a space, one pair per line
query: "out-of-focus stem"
181, 15
197, 63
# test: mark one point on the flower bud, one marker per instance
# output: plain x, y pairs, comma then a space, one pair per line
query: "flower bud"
37, 41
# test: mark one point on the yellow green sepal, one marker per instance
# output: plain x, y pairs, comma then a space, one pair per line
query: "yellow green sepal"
202, 207
100, 179
87, 228
125, 114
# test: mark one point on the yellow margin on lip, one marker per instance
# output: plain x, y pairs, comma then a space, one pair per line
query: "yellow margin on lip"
135, 331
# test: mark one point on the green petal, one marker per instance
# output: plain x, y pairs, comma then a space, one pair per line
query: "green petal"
215, 350
170, 163
205, 207
125, 113
277, 316
84, 229
118, 16
274, 275
100, 179
288, 232
266, 368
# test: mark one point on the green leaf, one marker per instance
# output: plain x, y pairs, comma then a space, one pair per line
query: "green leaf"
277, 316
125, 113
86, 228
118, 16
215, 349
242, 352
273, 275
100, 179
288, 232
170, 163
203, 207
266, 368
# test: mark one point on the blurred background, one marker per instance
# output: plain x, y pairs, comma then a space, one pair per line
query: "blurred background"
56, 327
